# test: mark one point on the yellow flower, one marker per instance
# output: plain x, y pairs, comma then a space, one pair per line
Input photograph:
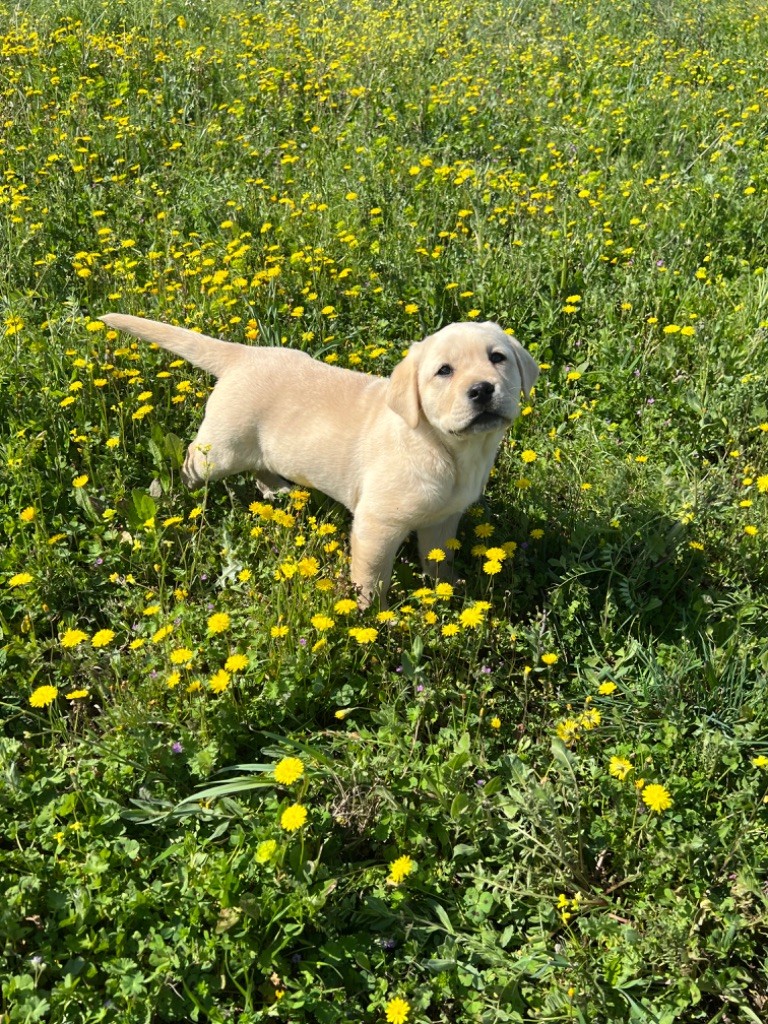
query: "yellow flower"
495, 723
220, 681
364, 635
80, 481
76, 694
162, 633
322, 622
28, 514
451, 629
182, 656
484, 530
288, 770
657, 797
278, 631
308, 567
345, 606
20, 579
102, 638
43, 696
400, 869
761, 761
265, 851
293, 817
492, 567
471, 618
218, 622
236, 663
606, 689
397, 1011
444, 590
436, 555
550, 659
73, 637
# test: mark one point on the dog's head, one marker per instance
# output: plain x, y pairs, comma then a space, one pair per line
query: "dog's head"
464, 379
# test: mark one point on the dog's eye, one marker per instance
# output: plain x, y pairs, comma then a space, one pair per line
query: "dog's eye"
497, 357
444, 371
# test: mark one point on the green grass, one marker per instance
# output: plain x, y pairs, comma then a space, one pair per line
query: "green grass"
345, 177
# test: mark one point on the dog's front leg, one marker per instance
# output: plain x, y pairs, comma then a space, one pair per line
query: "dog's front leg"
374, 545
437, 537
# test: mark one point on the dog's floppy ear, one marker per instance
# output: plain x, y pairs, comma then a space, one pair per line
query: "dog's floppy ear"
527, 366
403, 388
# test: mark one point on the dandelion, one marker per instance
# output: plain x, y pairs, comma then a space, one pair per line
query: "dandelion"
218, 622
450, 629
484, 530
220, 681
102, 638
80, 481
606, 689
762, 484
76, 694
657, 798
436, 555
492, 567
276, 632
397, 1011
182, 656
21, 579
43, 696
495, 723
73, 637
236, 663
265, 851
471, 618
322, 622
619, 768
345, 606
288, 770
162, 633
761, 761
364, 635
293, 817
28, 514
400, 869
550, 659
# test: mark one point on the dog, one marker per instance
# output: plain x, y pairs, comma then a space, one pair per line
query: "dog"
403, 453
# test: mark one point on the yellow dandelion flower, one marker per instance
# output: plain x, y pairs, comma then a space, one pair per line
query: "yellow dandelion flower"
397, 1011
550, 659
80, 481
43, 696
288, 770
265, 851
218, 622
21, 579
73, 637
293, 817
236, 663
444, 590
606, 689
364, 635
162, 633
657, 798
471, 618
76, 694
484, 530
102, 638
219, 681
619, 768
451, 629
322, 622
278, 631
495, 723
345, 606
436, 555
182, 656
400, 869
492, 566
28, 514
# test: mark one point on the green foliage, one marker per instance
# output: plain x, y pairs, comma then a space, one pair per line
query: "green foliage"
537, 795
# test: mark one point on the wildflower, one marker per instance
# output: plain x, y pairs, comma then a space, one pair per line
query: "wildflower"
471, 618
345, 606
20, 579
606, 689
102, 638
451, 629
591, 719
657, 797
322, 622
495, 723
293, 817
620, 767
173, 680
76, 694
278, 631
28, 514
236, 663
761, 761
436, 555
308, 567
492, 567
444, 590
751, 531
244, 575
400, 869
80, 481
162, 633
364, 635
218, 622
182, 656
550, 659
288, 770
568, 730
397, 1011
220, 681
484, 530
73, 637
537, 534
43, 696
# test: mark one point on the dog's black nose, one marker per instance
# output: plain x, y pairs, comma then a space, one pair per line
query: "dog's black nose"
481, 392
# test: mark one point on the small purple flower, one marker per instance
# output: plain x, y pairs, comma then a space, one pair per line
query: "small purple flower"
485, 670
177, 748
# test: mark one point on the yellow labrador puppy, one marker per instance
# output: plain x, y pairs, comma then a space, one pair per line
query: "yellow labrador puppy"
408, 452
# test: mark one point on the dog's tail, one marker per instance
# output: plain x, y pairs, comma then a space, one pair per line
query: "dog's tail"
211, 354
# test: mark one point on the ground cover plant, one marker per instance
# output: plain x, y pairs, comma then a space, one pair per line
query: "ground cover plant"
537, 795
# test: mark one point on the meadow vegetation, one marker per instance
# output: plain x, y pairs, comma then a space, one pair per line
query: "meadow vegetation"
537, 795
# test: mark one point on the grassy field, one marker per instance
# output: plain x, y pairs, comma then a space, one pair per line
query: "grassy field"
539, 795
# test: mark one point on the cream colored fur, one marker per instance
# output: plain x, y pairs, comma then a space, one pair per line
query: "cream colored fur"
408, 452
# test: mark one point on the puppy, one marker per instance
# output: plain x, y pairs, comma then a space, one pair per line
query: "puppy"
408, 452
